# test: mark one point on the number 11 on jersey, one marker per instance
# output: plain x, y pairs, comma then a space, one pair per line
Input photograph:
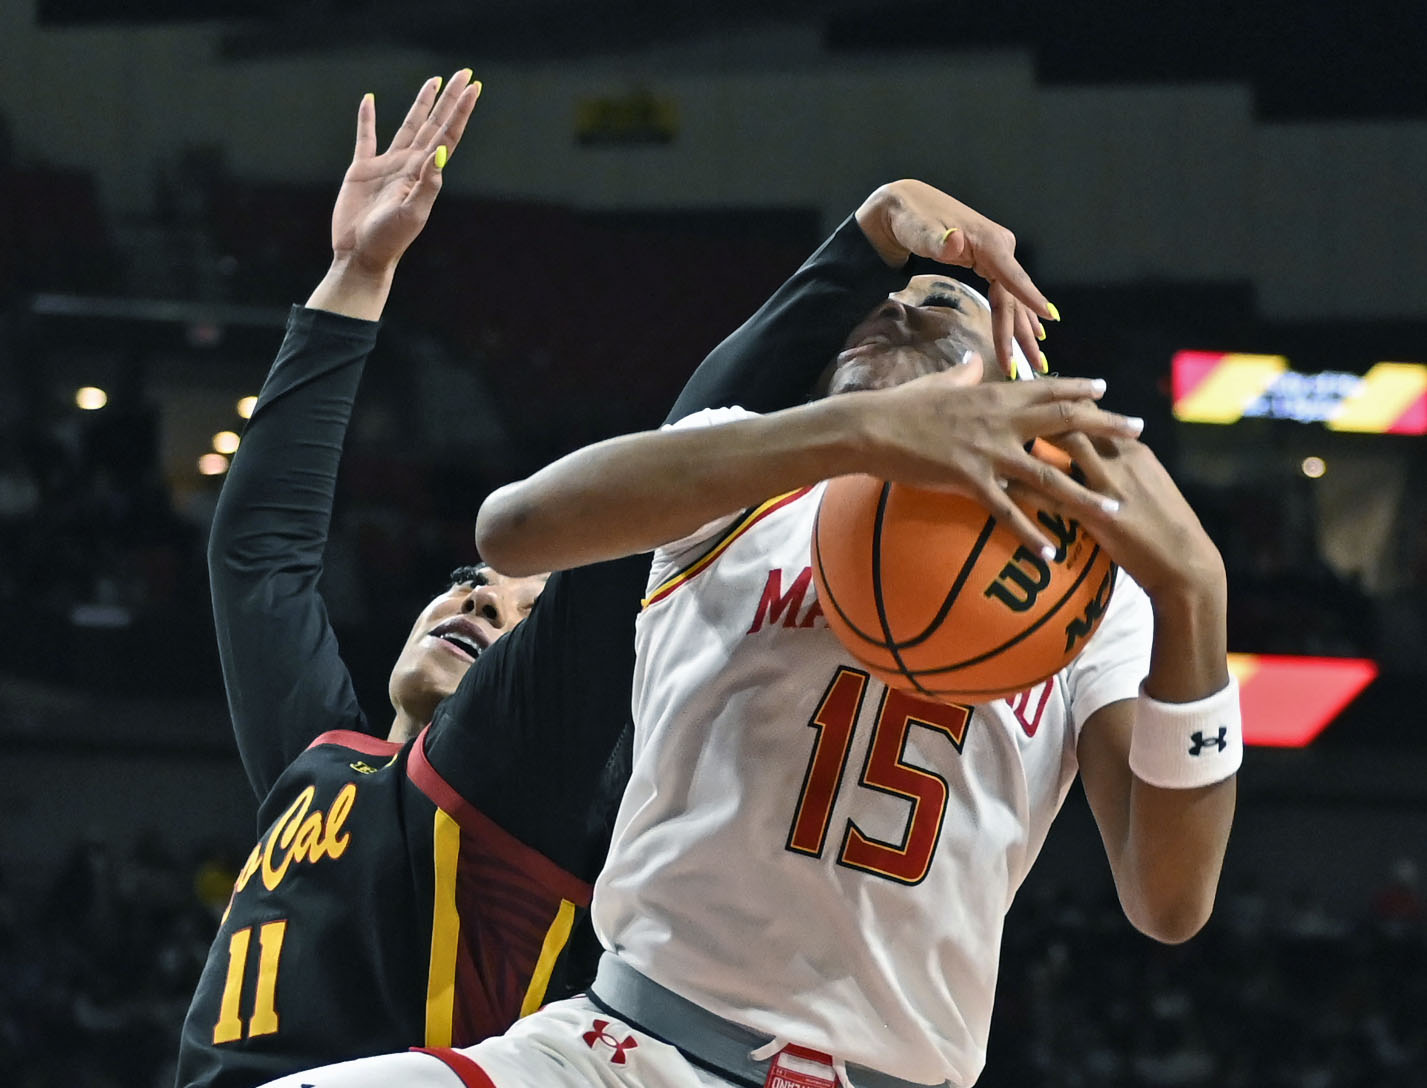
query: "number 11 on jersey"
264, 1020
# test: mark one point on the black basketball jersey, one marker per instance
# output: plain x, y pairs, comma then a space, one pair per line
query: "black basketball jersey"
377, 909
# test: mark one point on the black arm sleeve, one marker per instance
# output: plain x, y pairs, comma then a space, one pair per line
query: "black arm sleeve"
285, 681
772, 360
533, 736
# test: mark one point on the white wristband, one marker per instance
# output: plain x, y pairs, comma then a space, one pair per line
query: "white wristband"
1178, 746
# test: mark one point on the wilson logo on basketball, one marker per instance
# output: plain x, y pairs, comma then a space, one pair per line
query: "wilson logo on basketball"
598, 1034
1026, 574
1085, 625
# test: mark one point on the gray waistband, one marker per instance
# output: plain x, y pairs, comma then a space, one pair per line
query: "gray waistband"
705, 1039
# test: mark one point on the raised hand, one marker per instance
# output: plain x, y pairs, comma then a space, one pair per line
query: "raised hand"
386, 198
906, 217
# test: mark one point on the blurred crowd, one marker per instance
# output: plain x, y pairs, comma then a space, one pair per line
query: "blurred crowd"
1275, 993
99, 969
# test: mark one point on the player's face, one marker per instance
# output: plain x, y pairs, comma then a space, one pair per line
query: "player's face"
926, 327
452, 631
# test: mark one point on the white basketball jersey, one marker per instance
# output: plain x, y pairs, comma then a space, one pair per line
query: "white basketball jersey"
803, 850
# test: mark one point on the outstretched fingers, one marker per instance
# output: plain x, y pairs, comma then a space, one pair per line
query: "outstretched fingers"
456, 124
436, 127
993, 258
416, 116
428, 183
366, 128
1012, 327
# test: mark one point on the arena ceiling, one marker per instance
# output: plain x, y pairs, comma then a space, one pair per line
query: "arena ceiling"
1313, 61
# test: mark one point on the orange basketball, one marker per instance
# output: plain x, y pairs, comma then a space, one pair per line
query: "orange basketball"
937, 598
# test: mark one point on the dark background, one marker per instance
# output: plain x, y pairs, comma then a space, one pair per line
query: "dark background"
521, 328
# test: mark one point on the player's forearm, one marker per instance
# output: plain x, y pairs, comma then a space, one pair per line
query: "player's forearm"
353, 290
631, 494
1189, 654
1174, 855
1177, 837
279, 657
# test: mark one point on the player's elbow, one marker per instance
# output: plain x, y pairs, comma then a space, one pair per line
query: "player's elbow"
1171, 919
505, 526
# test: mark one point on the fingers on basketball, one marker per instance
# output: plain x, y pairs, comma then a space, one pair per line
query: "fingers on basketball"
939, 597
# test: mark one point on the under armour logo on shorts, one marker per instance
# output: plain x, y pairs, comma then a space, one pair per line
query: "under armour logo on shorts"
598, 1034
1201, 742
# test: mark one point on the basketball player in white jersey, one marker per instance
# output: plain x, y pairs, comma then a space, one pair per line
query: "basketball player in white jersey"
809, 871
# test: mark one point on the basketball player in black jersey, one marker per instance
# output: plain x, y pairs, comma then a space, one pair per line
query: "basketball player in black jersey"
426, 884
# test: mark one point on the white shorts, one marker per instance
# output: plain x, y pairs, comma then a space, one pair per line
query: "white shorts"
567, 1044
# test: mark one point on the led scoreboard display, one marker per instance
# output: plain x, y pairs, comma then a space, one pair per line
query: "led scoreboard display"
1225, 387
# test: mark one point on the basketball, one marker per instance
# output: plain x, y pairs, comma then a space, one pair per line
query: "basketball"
936, 598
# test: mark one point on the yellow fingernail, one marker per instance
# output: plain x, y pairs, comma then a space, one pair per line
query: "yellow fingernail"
369, 97
949, 232
1045, 363
1040, 332
1054, 311
478, 85
438, 83
467, 72
441, 157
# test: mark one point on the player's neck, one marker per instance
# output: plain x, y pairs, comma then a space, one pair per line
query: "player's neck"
403, 728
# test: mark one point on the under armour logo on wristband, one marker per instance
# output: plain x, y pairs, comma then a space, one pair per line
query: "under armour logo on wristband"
598, 1034
1200, 743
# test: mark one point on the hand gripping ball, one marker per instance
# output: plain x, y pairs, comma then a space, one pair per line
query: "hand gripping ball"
935, 597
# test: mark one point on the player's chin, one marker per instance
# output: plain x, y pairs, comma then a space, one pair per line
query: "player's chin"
442, 671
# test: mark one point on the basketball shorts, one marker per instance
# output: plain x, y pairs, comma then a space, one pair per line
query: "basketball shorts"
567, 1044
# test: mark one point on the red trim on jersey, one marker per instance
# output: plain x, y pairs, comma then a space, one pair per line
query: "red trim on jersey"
471, 1074
495, 840
698, 567
365, 743
805, 1052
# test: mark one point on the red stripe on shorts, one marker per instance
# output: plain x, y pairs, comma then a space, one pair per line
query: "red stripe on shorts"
471, 1074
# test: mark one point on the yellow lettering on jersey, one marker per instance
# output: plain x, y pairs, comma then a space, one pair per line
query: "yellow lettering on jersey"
264, 1020
230, 1025
245, 874
308, 846
282, 835
335, 841
300, 836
